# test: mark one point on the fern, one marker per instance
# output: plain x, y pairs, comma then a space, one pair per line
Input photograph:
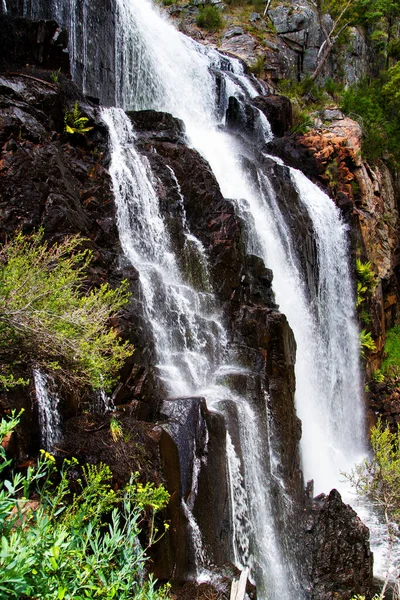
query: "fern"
366, 281
75, 123
366, 342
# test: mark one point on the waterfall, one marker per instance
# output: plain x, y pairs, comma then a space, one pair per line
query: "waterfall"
49, 416
158, 68
173, 73
191, 346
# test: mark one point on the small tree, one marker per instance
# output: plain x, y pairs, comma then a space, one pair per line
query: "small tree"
49, 318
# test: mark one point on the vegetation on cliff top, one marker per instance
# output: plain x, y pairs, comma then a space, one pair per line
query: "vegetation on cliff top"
50, 319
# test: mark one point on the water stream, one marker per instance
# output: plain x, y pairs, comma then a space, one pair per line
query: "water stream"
49, 415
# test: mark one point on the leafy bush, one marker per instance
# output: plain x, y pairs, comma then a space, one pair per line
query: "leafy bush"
378, 117
378, 479
209, 18
49, 321
66, 546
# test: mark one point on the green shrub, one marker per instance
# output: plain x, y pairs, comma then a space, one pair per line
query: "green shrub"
64, 545
49, 319
209, 18
391, 362
377, 478
378, 376
378, 116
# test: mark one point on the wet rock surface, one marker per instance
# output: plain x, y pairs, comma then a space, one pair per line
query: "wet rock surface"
341, 561
60, 182
26, 43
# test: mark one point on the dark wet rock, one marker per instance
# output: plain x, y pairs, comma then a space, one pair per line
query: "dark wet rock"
192, 447
278, 110
338, 542
60, 182
94, 43
26, 43
88, 438
158, 126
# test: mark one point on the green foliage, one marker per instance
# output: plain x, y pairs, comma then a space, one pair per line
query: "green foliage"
49, 320
366, 280
378, 376
55, 75
368, 104
391, 89
367, 344
378, 477
74, 122
62, 546
8, 381
209, 18
391, 362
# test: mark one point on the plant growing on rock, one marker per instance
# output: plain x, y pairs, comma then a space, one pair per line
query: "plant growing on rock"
391, 362
72, 543
366, 342
51, 319
366, 280
75, 123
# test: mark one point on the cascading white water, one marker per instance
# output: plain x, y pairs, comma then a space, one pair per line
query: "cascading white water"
49, 416
190, 340
335, 402
166, 71
181, 317
176, 78
4, 5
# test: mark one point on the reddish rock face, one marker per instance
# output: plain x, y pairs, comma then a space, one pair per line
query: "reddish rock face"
336, 150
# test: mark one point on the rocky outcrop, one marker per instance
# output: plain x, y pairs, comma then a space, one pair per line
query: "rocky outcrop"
341, 561
27, 43
60, 182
